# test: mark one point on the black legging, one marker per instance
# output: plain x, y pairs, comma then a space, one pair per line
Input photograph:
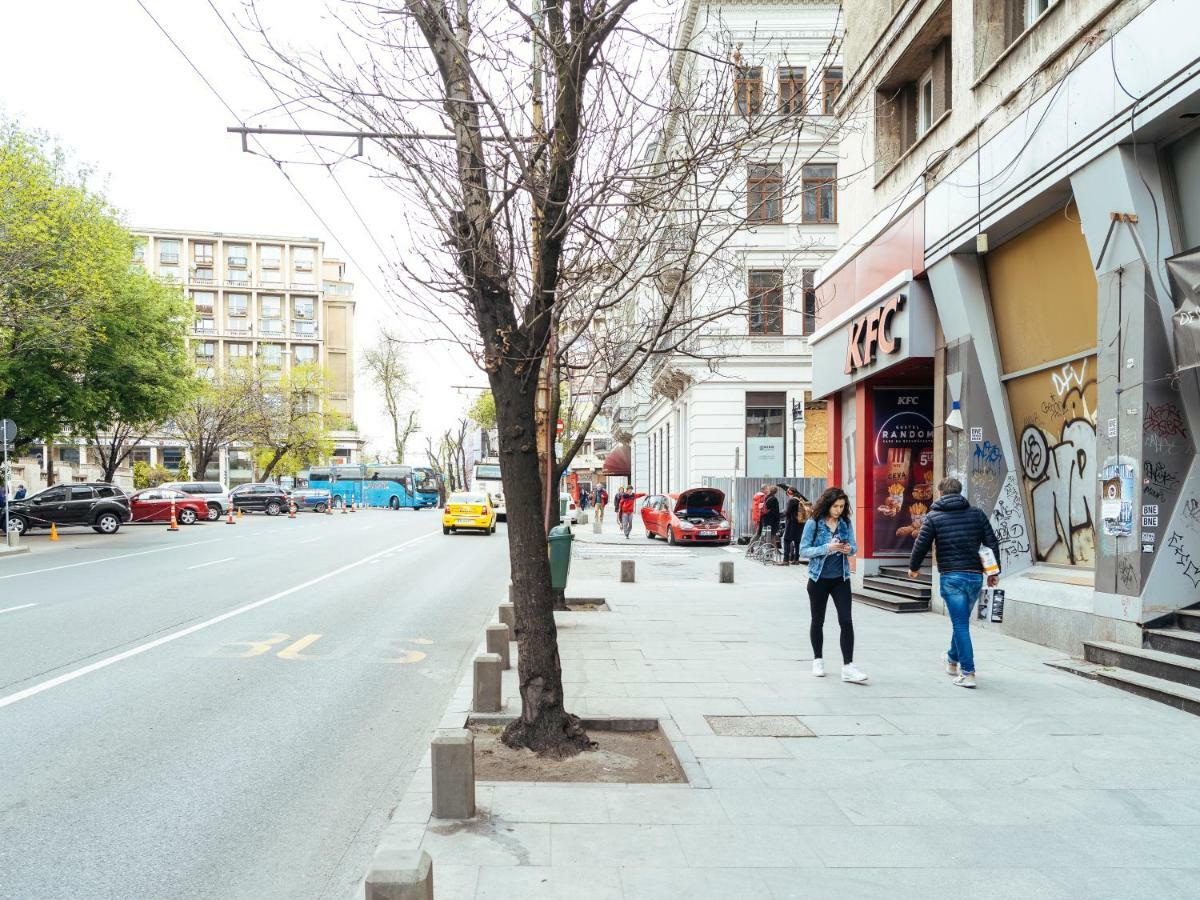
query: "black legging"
791, 545
818, 593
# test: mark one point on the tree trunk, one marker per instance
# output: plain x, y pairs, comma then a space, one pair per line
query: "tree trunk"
544, 725
271, 466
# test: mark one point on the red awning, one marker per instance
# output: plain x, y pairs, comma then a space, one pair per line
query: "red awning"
617, 461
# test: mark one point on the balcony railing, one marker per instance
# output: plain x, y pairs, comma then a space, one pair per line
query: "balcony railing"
169, 258
304, 330
237, 327
204, 328
237, 261
270, 327
202, 276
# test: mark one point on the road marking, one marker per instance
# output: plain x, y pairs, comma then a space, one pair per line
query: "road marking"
200, 626
110, 558
213, 563
293, 652
15, 608
309, 541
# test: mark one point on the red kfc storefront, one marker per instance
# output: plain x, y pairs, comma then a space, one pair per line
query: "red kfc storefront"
873, 364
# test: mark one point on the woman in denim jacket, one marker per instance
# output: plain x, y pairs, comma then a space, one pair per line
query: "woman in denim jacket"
827, 544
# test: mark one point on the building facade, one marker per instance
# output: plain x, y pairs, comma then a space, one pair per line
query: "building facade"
1002, 309
736, 401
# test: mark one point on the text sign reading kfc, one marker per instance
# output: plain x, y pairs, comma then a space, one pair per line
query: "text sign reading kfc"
871, 333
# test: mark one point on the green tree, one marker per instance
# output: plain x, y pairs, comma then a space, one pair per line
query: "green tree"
184, 473
483, 411
288, 418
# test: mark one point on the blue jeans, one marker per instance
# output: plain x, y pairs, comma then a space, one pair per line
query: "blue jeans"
959, 592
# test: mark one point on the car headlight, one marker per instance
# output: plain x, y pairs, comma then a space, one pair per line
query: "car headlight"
686, 526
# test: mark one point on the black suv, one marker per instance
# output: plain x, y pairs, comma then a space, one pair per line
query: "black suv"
268, 498
102, 506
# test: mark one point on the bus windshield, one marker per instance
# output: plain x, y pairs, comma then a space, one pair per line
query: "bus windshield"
488, 473
426, 480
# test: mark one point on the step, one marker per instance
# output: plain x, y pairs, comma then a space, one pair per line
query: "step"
1158, 689
904, 588
1169, 666
926, 575
890, 602
1188, 619
1174, 640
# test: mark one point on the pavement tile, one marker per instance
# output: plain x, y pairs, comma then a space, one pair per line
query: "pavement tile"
485, 843
752, 806
848, 725
927, 884
653, 805
707, 747
753, 846
454, 880
544, 883
521, 802
692, 884
615, 845
895, 806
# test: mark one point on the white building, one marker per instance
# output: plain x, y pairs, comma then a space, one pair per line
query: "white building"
733, 402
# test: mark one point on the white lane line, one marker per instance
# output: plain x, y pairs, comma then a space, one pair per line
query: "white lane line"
213, 563
310, 541
89, 562
15, 608
192, 629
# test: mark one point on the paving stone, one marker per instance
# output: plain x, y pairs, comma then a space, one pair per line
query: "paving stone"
758, 726
615, 845
548, 883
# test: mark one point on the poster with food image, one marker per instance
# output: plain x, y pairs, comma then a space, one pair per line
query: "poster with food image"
902, 470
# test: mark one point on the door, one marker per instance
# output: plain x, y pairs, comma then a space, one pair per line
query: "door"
146, 506
78, 508
243, 497
48, 506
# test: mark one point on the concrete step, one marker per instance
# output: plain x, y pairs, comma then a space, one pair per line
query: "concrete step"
1174, 640
890, 602
1188, 619
1168, 666
1177, 695
903, 587
902, 572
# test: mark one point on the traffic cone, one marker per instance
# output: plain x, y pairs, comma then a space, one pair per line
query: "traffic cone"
229, 517
291, 510
329, 508
239, 512
351, 504
53, 531
174, 526
345, 507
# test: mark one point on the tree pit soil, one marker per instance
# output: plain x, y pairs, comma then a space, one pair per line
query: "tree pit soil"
621, 757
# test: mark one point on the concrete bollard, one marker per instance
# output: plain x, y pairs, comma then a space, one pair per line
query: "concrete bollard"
486, 694
726, 570
453, 754
583, 517
511, 598
627, 576
497, 642
400, 875
508, 616
596, 526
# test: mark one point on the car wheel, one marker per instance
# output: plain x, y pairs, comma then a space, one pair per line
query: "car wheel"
493, 531
650, 534
187, 517
320, 507
107, 523
445, 530
273, 508
394, 503
214, 512
671, 536
18, 525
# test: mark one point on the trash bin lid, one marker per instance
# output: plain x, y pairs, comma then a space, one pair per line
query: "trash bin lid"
560, 533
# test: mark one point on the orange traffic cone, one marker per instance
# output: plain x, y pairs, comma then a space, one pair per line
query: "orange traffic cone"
239, 512
53, 531
229, 517
329, 508
345, 507
291, 510
174, 526
352, 505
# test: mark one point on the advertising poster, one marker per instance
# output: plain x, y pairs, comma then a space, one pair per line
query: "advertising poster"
764, 457
1116, 498
902, 474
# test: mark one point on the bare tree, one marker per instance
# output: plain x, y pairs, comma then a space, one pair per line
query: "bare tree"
585, 222
388, 369
216, 415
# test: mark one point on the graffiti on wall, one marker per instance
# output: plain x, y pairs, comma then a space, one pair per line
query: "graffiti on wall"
1183, 559
1158, 480
1191, 513
1008, 521
1057, 460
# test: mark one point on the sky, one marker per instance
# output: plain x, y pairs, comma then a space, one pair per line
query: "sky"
103, 81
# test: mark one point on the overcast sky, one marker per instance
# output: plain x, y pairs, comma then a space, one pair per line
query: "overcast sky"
104, 81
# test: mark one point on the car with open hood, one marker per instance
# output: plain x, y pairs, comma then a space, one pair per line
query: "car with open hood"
694, 516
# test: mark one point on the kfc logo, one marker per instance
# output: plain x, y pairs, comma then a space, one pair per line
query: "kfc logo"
872, 332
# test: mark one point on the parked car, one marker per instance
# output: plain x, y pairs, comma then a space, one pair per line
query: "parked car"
469, 512
268, 498
103, 507
154, 505
214, 492
316, 499
694, 516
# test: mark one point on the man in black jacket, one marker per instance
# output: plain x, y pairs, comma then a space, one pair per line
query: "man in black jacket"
959, 530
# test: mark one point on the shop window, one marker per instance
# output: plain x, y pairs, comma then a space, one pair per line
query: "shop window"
791, 89
764, 194
747, 89
766, 301
819, 187
172, 457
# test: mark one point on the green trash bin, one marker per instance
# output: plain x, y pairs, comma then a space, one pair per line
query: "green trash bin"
558, 544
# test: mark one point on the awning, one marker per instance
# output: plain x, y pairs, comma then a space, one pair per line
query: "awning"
617, 461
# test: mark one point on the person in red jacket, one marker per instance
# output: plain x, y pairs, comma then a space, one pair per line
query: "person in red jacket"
756, 510
625, 510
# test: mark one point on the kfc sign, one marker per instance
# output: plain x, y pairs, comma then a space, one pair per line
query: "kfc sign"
872, 332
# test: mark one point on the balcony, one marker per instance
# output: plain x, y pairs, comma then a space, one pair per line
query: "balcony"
270, 328
202, 276
238, 327
304, 330
236, 262
169, 259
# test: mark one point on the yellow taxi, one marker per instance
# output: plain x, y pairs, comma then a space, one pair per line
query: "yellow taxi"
469, 512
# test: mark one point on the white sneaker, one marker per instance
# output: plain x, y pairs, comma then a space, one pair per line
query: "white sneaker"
852, 674
951, 667
966, 679
819, 668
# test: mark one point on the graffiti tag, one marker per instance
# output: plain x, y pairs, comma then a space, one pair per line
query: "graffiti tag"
1067, 377
1166, 421
1191, 511
986, 458
1157, 480
1008, 521
1183, 559
1128, 575
1060, 480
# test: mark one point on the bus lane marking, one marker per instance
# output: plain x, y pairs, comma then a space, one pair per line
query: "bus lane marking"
213, 563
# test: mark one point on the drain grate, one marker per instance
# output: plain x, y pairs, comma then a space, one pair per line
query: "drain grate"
758, 726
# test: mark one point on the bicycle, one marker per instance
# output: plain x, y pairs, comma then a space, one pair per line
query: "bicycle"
764, 550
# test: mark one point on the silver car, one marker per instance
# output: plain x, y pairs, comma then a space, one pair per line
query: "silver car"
214, 492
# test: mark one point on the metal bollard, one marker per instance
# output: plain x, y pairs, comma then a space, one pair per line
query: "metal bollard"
497, 642
485, 697
627, 571
726, 570
453, 756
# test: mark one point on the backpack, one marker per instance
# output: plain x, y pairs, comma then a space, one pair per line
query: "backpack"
804, 512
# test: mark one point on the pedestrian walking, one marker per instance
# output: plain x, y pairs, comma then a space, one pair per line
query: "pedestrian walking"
957, 531
583, 500
628, 499
770, 514
793, 529
827, 542
601, 501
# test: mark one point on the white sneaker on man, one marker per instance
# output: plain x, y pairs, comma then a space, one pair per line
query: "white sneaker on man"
951, 667
966, 679
819, 668
852, 674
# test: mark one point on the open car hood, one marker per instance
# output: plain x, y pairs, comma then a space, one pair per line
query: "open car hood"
700, 498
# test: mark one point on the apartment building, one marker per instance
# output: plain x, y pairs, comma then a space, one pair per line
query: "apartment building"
736, 399
1004, 307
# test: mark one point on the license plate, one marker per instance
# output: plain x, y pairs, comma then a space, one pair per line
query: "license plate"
708, 534
464, 521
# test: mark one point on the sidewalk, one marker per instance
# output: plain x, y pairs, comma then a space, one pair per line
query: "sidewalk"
1039, 784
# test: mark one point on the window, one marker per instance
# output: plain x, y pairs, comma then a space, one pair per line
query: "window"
172, 457
809, 315
1035, 8
302, 262
819, 187
206, 350
237, 351
270, 314
139, 251
238, 276
204, 254
791, 89
168, 252
831, 86
81, 492
235, 256
202, 276
270, 254
271, 355
304, 307
69, 455
747, 89
237, 305
764, 193
304, 353
766, 301
925, 102
203, 301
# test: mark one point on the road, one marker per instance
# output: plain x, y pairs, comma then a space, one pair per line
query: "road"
226, 711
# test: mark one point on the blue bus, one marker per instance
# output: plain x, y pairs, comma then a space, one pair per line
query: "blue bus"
396, 487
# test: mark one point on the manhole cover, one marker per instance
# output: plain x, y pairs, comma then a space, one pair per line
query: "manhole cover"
758, 726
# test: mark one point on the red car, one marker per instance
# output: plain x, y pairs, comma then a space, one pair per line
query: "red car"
154, 505
696, 516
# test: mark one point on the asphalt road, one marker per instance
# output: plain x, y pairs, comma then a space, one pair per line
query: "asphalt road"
226, 711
